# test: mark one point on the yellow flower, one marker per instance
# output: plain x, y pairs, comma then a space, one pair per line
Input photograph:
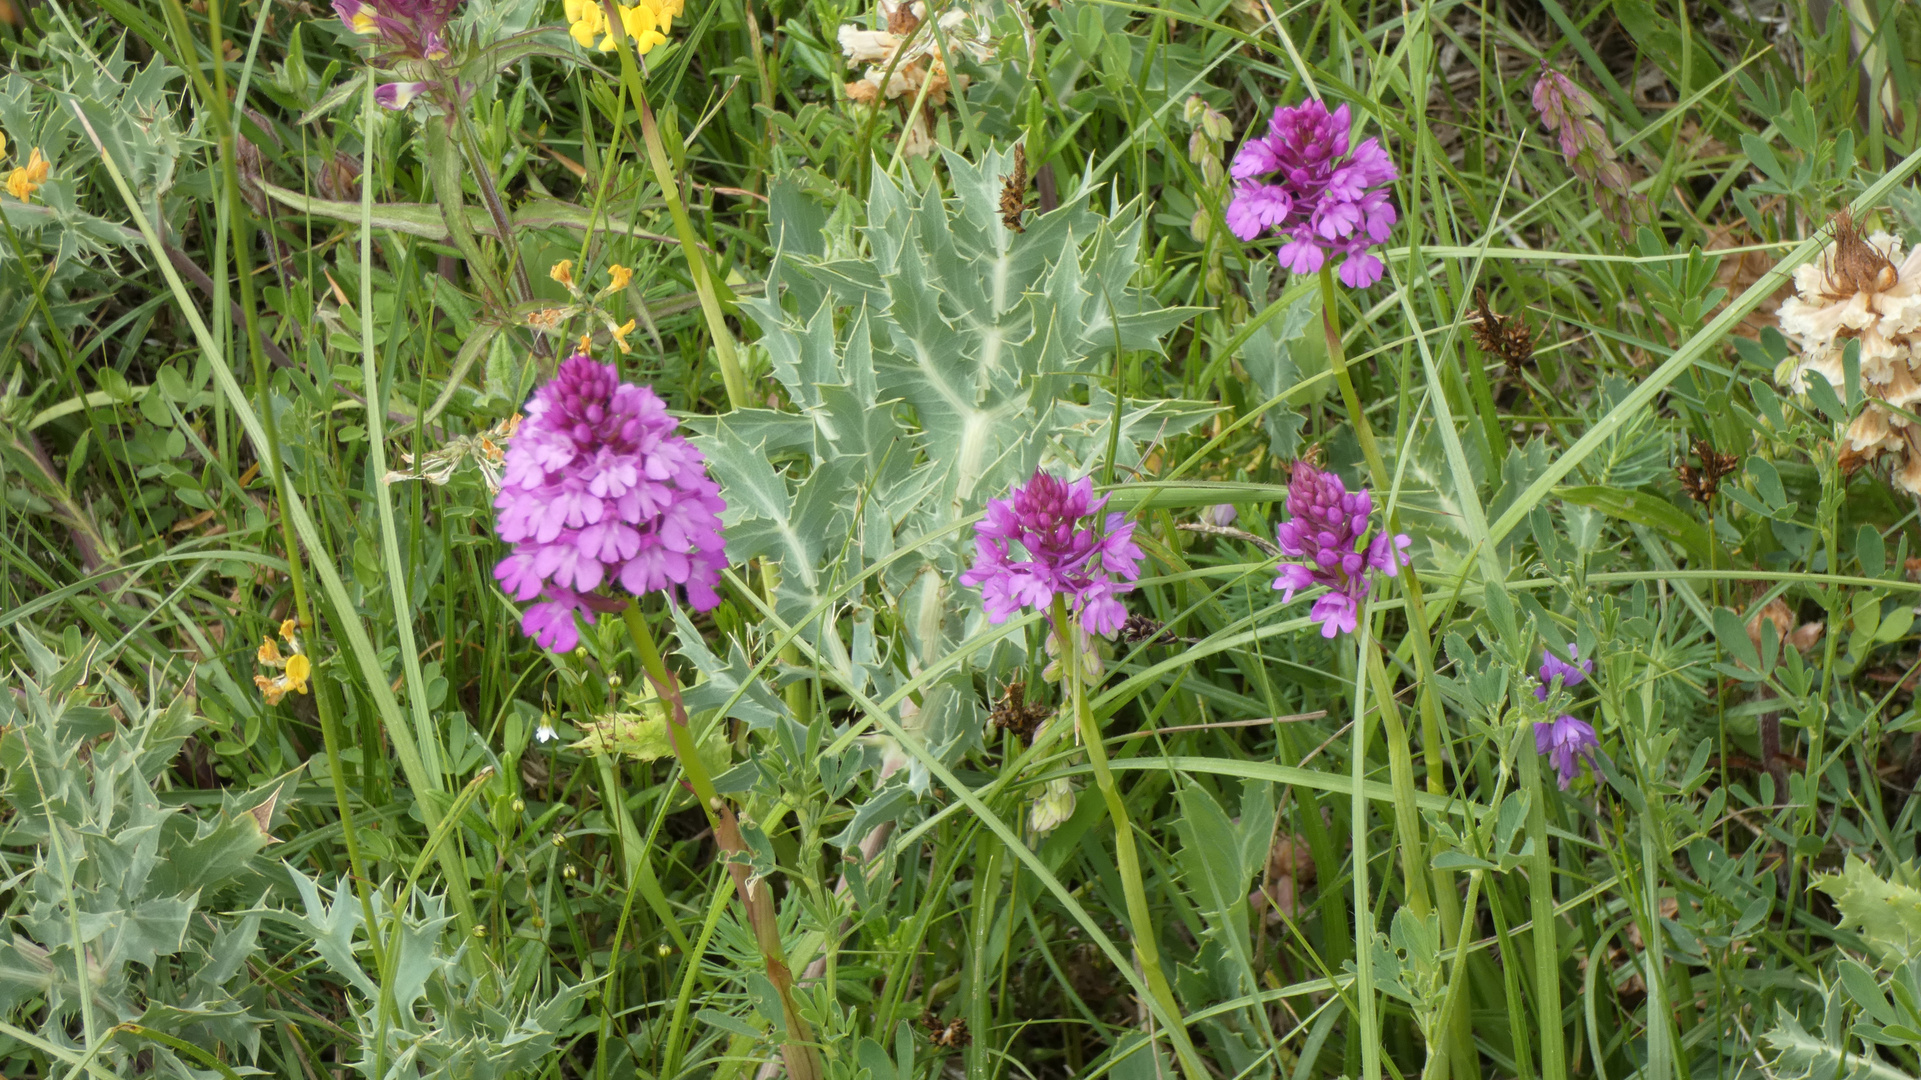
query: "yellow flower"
3, 144
563, 272
23, 182
269, 653
640, 22
363, 20
621, 275
287, 628
645, 23
620, 335
586, 345
298, 668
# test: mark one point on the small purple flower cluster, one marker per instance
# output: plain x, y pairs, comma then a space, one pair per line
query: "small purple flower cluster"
1327, 529
408, 28
1072, 551
1301, 180
1566, 740
599, 488
401, 29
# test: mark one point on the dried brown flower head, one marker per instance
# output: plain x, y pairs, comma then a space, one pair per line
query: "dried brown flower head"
951, 1035
1013, 713
1704, 482
1505, 336
1014, 191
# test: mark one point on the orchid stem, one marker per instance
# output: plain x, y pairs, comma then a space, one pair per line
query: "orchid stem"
1146, 951
1465, 1058
797, 1050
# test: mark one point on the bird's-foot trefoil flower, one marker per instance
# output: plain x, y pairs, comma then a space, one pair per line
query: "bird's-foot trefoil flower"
1303, 181
1327, 530
599, 492
646, 23
27, 179
1071, 550
294, 668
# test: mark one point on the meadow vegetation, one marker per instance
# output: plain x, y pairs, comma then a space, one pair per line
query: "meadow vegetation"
736, 537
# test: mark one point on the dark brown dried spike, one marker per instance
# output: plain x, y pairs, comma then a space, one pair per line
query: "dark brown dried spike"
1013, 713
1139, 628
1704, 482
1014, 191
1505, 336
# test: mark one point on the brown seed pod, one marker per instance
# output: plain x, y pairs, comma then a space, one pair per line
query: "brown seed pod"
1014, 191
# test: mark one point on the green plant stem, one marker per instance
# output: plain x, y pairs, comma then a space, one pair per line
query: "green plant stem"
1466, 1060
731, 376
1540, 887
1146, 951
241, 233
798, 1050
425, 731
1400, 764
497, 209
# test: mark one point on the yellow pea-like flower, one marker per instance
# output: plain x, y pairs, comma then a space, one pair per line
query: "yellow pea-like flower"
298, 668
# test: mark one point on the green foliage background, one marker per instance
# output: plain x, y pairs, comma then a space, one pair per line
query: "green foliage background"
247, 302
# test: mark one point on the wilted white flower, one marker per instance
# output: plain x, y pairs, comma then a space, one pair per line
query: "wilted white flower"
1863, 290
915, 60
1055, 805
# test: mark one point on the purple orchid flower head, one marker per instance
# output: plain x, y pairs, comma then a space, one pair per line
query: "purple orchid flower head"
1072, 550
1303, 181
1327, 530
598, 491
1570, 672
1566, 742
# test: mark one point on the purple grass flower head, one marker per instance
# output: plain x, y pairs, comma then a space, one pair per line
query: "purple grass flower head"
1072, 550
600, 491
1554, 669
1327, 530
1302, 181
1573, 115
1566, 742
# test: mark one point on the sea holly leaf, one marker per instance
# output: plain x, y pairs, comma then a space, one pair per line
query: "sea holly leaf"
1885, 912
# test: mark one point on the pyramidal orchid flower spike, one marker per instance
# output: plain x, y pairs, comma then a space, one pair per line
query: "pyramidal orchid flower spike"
1072, 550
1327, 531
1302, 181
600, 491
1567, 740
